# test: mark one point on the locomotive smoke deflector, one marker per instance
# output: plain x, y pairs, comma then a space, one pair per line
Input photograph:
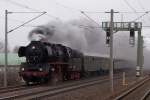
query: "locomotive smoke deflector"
21, 51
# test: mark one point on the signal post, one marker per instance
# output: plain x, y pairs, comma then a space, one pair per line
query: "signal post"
110, 28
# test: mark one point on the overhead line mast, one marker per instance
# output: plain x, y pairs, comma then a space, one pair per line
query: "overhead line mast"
6, 38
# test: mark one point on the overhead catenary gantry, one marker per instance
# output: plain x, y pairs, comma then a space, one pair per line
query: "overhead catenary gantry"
132, 27
111, 27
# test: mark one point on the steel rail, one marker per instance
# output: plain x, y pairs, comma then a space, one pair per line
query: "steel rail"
17, 88
146, 95
120, 97
56, 90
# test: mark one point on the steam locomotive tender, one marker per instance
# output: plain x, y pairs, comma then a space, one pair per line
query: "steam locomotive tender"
47, 61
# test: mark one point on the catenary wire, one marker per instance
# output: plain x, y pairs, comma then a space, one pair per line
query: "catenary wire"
29, 8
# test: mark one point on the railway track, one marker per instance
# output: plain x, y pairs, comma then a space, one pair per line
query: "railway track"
19, 87
3, 88
146, 96
11, 88
140, 91
16, 88
44, 91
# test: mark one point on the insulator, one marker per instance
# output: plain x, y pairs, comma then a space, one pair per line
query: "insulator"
132, 33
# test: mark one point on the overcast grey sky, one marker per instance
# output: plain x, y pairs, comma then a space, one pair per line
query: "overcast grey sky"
60, 9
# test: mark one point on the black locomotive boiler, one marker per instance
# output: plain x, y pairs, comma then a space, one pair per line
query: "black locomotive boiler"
55, 62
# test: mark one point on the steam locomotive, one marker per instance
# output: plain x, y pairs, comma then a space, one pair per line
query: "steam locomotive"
55, 62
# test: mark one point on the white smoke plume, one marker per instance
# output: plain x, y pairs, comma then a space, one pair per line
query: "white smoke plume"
71, 34
15, 49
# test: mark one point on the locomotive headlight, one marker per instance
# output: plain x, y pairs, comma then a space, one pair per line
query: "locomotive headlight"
40, 69
33, 47
22, 69
53, 69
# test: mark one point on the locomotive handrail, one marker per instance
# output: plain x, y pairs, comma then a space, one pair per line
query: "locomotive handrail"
61, 63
